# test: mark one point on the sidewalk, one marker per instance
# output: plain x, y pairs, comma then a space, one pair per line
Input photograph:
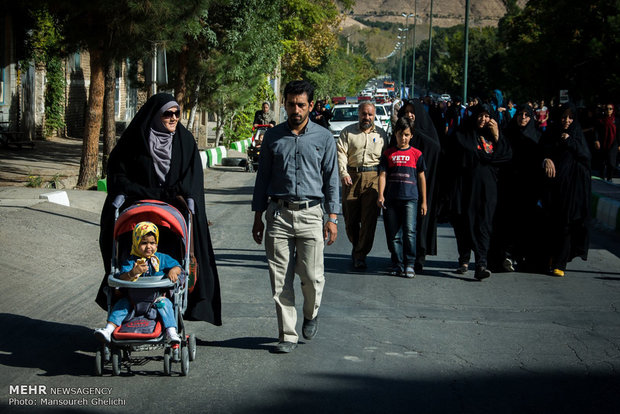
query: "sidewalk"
54, 161
55, 165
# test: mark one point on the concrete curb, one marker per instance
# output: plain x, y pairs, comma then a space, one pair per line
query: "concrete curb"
242, 145
606, 211
215, 155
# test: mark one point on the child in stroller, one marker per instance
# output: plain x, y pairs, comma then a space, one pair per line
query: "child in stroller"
151, 287
144, 261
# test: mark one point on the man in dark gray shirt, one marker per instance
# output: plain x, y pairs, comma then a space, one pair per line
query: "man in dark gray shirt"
298, 173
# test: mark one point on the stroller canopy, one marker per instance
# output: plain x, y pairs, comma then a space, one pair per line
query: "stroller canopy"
162, 214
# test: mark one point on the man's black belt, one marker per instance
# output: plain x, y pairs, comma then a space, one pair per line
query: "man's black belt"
363, 169
295, 205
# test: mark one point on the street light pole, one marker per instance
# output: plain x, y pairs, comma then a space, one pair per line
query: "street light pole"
406, 16
415, 22
400, 68
466, 51
430, 49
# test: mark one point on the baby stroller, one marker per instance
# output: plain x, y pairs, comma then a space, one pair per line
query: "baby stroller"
254, 149
139, 332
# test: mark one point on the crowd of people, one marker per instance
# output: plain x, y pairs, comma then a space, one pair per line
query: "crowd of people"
514, 181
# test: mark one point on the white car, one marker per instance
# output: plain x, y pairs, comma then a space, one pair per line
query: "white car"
343, 116
383, 115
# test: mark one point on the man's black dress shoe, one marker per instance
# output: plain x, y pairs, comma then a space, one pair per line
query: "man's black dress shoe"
310, 327
284, 347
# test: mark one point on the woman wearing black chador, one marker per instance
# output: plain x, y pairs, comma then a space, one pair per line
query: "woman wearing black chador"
566, 198
157, 158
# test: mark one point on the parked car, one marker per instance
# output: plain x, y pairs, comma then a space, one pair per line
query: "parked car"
343, 116
383, 115
446, 97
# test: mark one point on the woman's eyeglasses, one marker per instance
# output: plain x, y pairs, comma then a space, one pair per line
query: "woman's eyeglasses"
170, 114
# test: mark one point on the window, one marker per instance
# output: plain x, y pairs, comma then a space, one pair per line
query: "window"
76, 62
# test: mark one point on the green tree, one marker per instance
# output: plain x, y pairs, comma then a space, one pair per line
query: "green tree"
564, 45
232, 46
309, 31
104, 32
44, 44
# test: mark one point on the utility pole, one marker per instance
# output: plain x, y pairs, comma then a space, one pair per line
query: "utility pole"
415, 22
400, 67
466, 51
430, 49
406, 16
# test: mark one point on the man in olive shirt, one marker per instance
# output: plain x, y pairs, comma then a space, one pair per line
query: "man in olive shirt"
360, 146
298, 172
264, 117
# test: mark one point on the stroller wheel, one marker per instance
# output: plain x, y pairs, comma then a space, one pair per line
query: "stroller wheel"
106, 354
184, 361
116, 362
98, 363
167, 362
191, 343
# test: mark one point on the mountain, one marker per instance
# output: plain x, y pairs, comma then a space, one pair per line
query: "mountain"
446, 13
374, 23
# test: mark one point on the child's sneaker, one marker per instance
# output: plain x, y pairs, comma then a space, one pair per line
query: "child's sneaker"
172, 336
409, 272
103, 335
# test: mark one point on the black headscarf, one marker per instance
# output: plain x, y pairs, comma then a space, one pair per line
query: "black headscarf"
131, 172
423, 121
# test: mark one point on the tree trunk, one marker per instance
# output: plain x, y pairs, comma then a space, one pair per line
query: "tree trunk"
90, 146
192, 115
180, 89
219, 126
109, 124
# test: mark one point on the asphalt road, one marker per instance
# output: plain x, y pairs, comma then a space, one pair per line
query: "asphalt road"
440, 343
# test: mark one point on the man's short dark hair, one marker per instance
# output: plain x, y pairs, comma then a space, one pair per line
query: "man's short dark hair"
299, 87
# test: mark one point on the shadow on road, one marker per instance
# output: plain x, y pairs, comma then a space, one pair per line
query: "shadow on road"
55, 348
256, 343
509, 392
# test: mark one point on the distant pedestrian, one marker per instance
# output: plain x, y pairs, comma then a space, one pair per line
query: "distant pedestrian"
542, 116
401, 185
360, 146
298, 173
567, 192
320, 115
264, 116
608, 141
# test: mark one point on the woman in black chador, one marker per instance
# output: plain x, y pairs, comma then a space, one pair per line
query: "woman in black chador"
475, 152
157, 158
518, 215
426, 140
566, 200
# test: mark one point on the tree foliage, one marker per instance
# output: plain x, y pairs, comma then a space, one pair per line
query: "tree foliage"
43, 44
533, 53
309, 31
341, 74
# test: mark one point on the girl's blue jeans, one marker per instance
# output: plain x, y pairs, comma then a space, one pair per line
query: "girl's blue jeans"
121, 309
